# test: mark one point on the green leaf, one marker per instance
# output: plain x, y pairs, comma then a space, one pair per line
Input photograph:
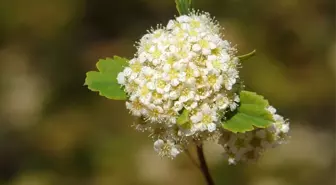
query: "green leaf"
183, 6
183, 119
251, 114
105, 81
247, 97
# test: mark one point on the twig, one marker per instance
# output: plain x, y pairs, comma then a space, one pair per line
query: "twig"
192, 159
203, 165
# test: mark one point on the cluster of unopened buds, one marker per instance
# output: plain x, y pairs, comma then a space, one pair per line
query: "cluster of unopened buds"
187, 68
248, 146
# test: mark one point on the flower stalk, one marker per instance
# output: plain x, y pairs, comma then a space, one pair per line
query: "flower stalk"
203, 165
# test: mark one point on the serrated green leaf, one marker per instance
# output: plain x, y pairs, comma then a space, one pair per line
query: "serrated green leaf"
238, 124
112, 66
247, 97
251, 114
183, 119
255, 110
104, 81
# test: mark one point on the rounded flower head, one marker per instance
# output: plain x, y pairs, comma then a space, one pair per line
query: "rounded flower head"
183, 66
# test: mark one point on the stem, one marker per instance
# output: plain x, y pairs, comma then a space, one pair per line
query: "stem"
191, 158
247, 56
203, 165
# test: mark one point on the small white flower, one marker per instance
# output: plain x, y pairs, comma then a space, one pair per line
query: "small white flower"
178, 106
173, 95
222, 101
174, 152
197, 117
158, 144
271, 109
150, 85
183, 19
211, 127
127, 71
135, 107
206, 118
166, 148
170, 24
233, 105
285, 128
196, 47
174, 82
206, 51
231, 161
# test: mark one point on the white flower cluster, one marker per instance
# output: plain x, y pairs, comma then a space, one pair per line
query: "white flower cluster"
250, 145
184, 66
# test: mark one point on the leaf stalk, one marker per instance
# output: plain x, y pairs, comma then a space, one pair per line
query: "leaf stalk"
247, 56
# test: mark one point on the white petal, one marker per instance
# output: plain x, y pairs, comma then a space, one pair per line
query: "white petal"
285, 128
121, 78
175, 82
170, 24
206, 51
127, 71
271, 109
183, 19
196, 47
151, 85
174, 152
211, 127
212, 45
158, 144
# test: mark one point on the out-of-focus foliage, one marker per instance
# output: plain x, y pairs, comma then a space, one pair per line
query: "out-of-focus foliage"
54, 131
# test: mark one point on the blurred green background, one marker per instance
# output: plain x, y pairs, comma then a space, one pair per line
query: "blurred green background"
54, 131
